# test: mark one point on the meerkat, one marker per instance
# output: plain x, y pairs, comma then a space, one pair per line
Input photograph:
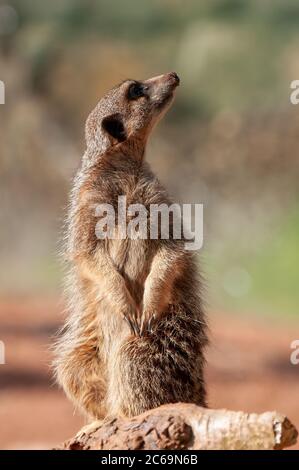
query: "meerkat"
136, 331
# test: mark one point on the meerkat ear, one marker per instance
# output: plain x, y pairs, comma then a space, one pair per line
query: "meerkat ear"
113, 125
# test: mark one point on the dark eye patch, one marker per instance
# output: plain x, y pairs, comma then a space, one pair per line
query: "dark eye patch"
135, 91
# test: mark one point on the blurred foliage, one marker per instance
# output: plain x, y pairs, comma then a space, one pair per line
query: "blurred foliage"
223, 45
263, 280
231, 136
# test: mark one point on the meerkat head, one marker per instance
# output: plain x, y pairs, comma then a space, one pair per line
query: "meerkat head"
128, 112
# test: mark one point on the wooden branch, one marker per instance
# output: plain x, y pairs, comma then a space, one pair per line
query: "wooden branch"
187, 426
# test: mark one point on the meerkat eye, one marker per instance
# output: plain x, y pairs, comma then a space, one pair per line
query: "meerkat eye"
135, 91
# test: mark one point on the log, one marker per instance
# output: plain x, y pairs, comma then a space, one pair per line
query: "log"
190, 427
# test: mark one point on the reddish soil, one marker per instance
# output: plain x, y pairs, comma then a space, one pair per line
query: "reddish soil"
248, 369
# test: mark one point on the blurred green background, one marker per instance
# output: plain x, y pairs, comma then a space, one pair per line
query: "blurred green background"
230, 141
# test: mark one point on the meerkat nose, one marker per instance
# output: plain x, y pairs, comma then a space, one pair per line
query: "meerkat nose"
174, 76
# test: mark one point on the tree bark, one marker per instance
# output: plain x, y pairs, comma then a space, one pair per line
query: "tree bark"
187, 426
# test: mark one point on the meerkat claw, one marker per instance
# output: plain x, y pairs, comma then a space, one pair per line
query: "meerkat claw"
133, 326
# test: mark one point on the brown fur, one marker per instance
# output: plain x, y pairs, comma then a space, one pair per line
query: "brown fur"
107, 365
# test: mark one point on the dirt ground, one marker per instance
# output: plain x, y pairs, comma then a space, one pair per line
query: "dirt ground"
248, 369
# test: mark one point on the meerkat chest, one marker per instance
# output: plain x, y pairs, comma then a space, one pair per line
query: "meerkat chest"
128, 241
128, 236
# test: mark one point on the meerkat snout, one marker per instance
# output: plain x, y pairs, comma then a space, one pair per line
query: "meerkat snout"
161, 88
174, 76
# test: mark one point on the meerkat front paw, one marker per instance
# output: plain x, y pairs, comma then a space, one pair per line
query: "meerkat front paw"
148, 320
141, 325
133, 324
132, 317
